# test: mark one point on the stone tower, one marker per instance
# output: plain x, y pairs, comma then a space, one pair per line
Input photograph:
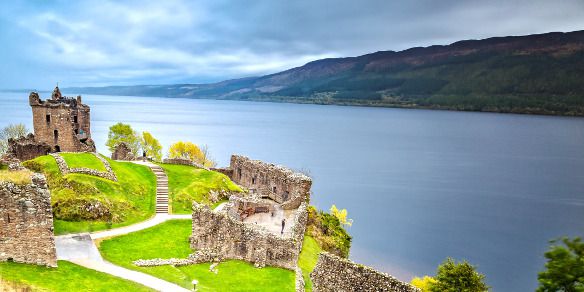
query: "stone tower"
62, 122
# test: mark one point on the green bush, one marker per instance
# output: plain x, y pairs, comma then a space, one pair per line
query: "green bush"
328, 232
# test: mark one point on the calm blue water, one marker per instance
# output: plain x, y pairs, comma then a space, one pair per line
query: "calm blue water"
421, 185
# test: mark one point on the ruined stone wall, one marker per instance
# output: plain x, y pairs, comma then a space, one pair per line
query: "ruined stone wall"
333, 273
26, 148
65, 169
225, 234
123, 152
26, 223
280, 184
62, 123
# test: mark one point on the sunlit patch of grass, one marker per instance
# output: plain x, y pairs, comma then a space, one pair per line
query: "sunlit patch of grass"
19, 177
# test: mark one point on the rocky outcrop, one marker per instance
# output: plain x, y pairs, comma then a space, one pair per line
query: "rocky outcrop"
26, 223
333, 273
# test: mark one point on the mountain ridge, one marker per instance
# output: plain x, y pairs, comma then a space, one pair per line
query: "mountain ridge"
539, 74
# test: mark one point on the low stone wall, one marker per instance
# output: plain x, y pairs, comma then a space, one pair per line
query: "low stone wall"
64, 168
279, 183
299, 280
183, 162
225, 234
26, 223
333, 273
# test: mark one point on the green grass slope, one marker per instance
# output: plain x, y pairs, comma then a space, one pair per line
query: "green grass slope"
187, 184
171, 240
86, 160
307, 260
84, 203
67, 277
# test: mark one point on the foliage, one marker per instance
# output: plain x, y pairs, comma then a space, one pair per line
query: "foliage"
67, 277
423, 283
327, 230
86, 160
192, 152
307, 259
11, 131
121, 132
174, 235
564, 267
84, 203
20, 177
187, 184
457, 277
151, 146
341, 215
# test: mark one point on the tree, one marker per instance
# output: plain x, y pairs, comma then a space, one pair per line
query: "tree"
192, 152
423, 283
11, 131
119, 133
341, 215
564, 267
458, 277
151, 146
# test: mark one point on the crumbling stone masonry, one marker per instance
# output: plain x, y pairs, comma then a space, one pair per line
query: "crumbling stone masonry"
223, 233
62, 122
276, 182
123, 152
26, 223
26, 148
65, 169
333, 273
183, 161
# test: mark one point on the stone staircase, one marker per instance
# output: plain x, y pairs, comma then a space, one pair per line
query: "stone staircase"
161, 189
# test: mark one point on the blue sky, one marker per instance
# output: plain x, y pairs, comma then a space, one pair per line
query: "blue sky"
94, 43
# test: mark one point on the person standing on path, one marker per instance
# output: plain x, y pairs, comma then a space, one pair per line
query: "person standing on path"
283, 224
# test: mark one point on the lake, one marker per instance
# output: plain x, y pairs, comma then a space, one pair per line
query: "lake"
421, 185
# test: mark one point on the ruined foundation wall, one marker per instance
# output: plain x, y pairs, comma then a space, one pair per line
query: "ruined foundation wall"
26, 223
333, 273
224, 234
26, 148
280, 184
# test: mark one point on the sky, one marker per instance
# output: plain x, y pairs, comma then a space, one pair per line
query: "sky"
99, 43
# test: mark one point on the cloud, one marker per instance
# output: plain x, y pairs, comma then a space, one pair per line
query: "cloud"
128, 42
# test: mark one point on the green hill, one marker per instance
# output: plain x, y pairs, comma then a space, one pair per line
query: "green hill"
539, 74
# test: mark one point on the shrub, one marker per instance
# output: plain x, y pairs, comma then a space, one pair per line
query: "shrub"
564, 268
423, 283
328, 232
457, 277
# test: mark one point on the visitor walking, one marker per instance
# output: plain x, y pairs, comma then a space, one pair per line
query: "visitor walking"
283, 224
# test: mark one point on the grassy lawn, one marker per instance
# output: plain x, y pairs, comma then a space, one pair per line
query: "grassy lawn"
128, 201
67, 277
20, 177
171, 239
307, 259
87, 160
187, 184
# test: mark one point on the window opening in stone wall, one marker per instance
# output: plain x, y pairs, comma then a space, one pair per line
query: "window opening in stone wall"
239, 172
56, 134
274, 189
253, 180
286, 195
8, 218
57, 148
48, 117
75, 119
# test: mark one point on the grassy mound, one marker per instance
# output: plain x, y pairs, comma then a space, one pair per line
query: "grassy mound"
84, 203
171, 239
187, 184
307, 260
67, 277
86, 160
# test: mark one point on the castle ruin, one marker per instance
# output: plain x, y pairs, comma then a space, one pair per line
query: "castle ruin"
62, 122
